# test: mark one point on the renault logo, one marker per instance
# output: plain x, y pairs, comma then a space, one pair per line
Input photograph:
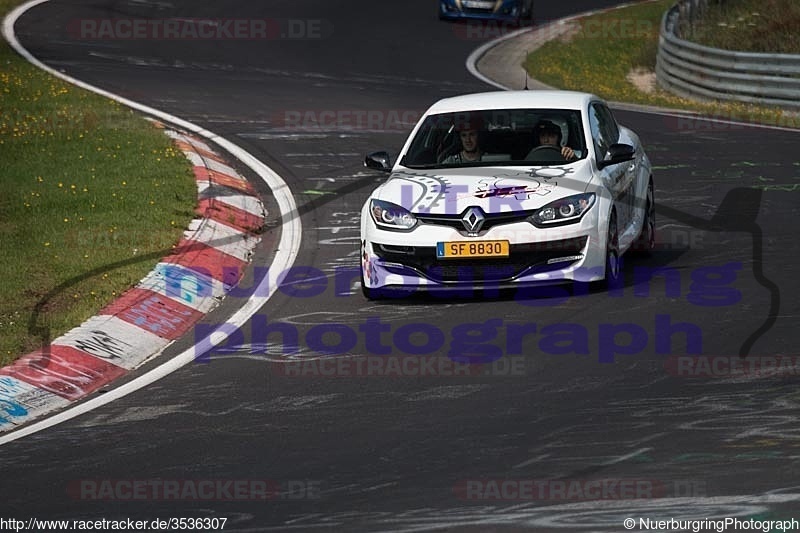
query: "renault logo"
473, 219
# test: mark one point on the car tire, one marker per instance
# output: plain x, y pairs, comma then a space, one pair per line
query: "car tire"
646, 242
583, 288
613, 262
525, 14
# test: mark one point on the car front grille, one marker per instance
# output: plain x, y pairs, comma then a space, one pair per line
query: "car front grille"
523, 259
454, 221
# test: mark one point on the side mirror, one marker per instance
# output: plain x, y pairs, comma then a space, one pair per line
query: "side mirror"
378, 161
617, 153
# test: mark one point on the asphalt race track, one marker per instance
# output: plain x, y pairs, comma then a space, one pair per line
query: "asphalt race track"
521, 444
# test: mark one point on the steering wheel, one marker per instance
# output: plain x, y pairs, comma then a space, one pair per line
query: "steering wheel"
546, 152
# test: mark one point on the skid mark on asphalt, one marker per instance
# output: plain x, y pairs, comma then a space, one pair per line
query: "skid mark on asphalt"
445, 393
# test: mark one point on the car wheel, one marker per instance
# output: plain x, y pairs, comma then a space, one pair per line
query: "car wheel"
613, 265
525, 13
613, 259
646, 242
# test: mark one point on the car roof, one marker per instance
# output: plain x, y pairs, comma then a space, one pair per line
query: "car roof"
513, 100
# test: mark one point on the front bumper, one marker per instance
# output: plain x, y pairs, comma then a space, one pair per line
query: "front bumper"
448, 10
537, 256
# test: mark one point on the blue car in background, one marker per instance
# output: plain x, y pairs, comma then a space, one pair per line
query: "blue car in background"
499, 10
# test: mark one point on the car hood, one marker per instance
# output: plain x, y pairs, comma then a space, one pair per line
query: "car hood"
493, 189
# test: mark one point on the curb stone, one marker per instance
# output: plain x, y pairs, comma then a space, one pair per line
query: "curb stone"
208, 261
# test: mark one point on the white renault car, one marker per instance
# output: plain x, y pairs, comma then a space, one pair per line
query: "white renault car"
508, 189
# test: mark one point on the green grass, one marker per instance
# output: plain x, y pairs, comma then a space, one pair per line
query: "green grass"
605, 49
87, 185
766, 26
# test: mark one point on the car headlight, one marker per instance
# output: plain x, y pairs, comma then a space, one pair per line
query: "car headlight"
564, 211
390, 216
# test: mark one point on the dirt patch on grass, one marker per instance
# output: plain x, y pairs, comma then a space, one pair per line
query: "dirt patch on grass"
643, 79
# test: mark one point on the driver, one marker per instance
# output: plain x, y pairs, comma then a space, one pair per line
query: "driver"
549, 134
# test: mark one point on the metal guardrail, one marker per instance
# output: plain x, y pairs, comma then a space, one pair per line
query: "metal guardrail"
695, 71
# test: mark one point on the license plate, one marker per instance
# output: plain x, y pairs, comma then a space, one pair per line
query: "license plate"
464, 249
477, 4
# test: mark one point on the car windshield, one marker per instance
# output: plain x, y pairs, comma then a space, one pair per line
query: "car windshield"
496, 137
